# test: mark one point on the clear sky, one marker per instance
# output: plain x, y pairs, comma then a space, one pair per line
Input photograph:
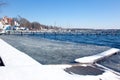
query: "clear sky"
67, 13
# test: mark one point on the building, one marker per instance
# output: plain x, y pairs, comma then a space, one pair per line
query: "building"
7, 23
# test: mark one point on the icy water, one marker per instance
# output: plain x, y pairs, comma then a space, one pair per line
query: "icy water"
65, 48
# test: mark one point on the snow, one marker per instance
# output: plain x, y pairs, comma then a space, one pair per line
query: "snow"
13, 57
48, 72
19, 66
94, 58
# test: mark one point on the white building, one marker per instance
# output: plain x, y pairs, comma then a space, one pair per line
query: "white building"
1, 25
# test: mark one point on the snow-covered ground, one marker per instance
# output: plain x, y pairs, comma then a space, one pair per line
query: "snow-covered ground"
49, 72
19, 66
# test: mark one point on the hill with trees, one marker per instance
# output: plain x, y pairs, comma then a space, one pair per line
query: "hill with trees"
32, 25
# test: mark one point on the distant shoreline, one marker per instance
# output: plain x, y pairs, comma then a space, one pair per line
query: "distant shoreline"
66, 31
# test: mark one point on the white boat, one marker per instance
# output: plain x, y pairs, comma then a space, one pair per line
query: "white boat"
16, 65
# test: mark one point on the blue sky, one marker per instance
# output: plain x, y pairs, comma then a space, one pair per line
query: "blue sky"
100, 14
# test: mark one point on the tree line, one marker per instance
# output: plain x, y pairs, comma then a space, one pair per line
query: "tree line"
32, 25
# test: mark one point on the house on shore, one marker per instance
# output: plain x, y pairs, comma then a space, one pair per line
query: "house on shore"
7, 24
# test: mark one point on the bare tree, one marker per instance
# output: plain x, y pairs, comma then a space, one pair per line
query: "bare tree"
36, 25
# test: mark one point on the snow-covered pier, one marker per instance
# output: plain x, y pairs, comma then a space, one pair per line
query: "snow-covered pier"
95, 58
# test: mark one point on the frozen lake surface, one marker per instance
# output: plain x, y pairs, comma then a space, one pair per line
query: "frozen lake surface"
48, 51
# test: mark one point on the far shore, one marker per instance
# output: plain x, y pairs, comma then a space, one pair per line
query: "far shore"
65, 31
